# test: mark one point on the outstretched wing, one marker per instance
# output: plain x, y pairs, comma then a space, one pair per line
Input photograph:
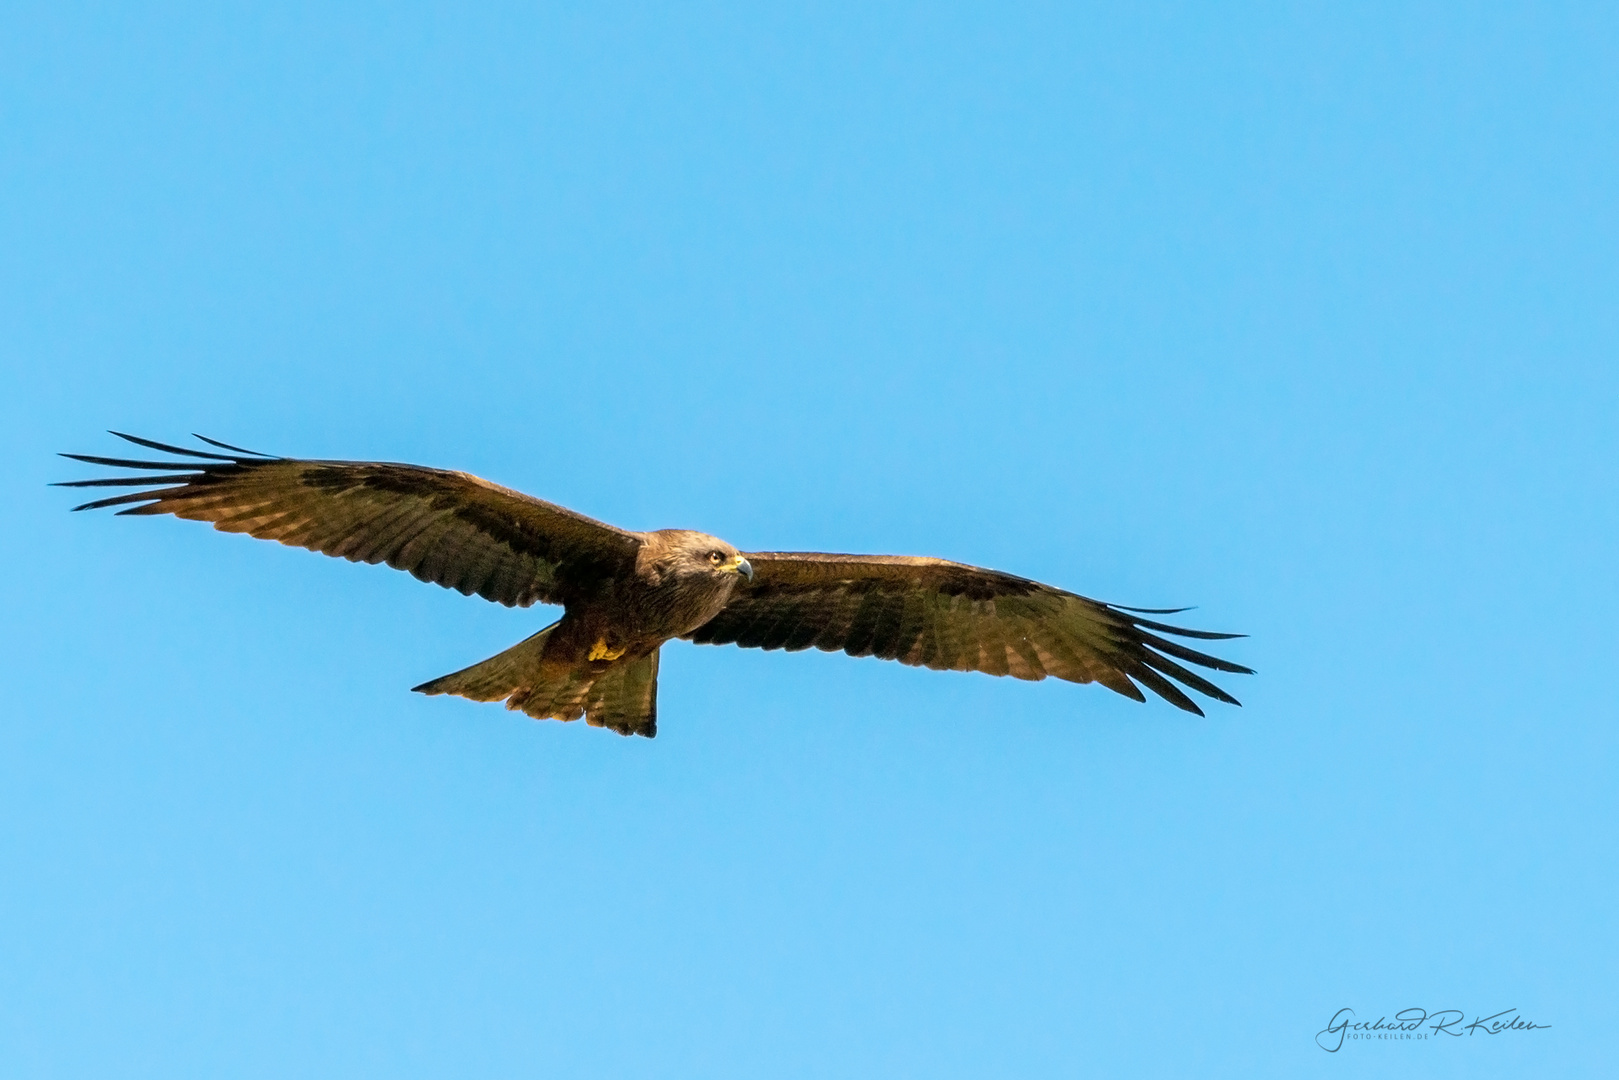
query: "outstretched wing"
449, 528
949, 616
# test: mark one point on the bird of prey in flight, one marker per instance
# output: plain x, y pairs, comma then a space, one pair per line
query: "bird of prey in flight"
625, 593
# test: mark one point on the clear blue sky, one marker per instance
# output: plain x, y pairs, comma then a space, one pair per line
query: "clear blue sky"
1304, 316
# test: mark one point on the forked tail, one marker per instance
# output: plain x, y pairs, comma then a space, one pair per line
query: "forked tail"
623, 698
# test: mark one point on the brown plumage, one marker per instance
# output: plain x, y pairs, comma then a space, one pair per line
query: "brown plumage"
625, 593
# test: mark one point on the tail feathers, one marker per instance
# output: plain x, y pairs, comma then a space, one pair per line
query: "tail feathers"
496, 678
623, 698
626, 698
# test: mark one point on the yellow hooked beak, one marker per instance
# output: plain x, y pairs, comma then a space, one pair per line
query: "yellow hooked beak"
739, 565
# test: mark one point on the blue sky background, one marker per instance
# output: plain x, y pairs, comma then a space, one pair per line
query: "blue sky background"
1305, 316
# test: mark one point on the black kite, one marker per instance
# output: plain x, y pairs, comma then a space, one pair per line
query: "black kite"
626, 593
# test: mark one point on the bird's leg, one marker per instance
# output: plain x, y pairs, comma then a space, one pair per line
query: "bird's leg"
603, 651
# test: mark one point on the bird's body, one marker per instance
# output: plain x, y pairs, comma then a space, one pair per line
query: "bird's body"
680, 580
625, 593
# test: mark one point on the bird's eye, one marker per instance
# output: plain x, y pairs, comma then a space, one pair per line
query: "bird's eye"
715, 557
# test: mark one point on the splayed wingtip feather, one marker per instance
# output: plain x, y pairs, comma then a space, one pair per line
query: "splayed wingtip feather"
167, 448
238, 449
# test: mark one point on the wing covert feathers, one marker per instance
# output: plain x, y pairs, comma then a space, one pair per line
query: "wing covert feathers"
449, 528
953, 617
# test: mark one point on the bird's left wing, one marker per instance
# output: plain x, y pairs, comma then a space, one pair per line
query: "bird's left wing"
449, 528
950, 616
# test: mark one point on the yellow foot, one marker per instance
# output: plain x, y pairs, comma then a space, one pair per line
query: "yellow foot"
600, 651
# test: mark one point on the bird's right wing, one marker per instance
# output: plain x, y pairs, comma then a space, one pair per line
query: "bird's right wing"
450, 528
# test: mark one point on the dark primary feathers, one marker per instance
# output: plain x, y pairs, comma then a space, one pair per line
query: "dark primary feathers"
464, 533
449, 528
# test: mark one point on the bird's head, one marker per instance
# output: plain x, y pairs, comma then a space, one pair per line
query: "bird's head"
690, 554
